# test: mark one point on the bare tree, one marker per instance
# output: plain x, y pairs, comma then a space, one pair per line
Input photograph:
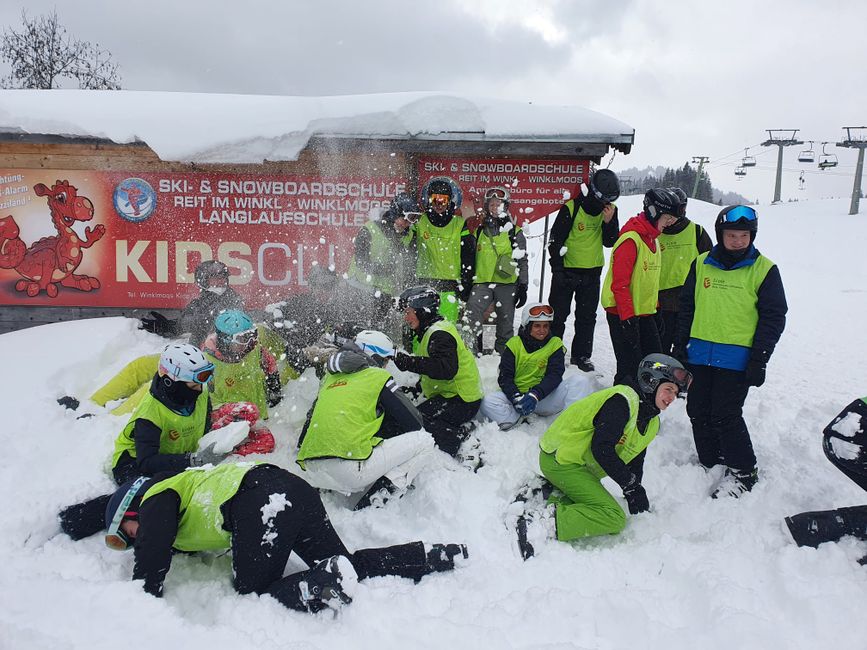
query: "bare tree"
42, 53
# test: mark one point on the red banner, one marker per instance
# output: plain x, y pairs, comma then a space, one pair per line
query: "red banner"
537, 187
117, 239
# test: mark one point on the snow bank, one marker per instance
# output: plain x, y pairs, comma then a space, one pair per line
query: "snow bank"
215, 128
692, 572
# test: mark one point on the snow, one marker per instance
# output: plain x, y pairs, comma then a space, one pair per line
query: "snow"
692, 571
226, 438
849, 425
220, 128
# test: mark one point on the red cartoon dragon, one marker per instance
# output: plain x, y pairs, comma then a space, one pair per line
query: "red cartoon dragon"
52, 260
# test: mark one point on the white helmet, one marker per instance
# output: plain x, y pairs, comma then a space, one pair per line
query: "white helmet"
537, 312
185, 362
374, 343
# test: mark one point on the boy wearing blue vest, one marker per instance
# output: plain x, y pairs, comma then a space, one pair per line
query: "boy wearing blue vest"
583, 226
732, 314
262, 513
531, 373
605, 434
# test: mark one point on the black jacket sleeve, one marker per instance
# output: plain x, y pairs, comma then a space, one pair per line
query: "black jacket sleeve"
506, 376
611, 230
559, 233
442, 359
401, 416
148, 458
468, 258
772, 310
158, 527
703, 242
553, 375
608, 426
362, 250
686, 308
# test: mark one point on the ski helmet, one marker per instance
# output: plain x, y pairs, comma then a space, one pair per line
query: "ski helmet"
375, 344
737, 217
660, 201
210, 269
605, 185
444, 186
657, 368
185, 362
537, 312
498, 192
234, 327
421, 298
123, 504
404, 205
683, 199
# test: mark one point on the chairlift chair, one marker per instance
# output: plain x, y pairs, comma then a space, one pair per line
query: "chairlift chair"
740, 171
807, 155
748, 160
827, 160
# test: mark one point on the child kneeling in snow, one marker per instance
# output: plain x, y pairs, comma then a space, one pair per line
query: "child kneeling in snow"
262, 513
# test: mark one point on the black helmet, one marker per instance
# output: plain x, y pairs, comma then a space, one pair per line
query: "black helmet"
605, 186
683, 199
123, 504
442, 185
404, 205
659, 201
737, 217
421, 298
210, 269
657, 368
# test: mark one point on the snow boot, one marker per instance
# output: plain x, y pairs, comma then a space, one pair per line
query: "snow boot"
508, 426
443, 557
470, 454
328, 585
84, 519
537, 490
814, 528
533, 528
583, 363
377, 494
735, 482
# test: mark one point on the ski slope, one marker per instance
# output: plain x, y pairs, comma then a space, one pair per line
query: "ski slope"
691, 573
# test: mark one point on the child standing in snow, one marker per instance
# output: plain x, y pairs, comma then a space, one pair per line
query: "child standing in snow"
262, 513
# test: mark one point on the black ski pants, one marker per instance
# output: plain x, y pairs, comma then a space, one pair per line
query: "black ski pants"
444, 418
715, 407
583, 285
666, 322
627, 353
295, 520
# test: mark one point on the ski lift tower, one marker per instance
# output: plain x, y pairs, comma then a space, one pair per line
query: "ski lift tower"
781, 138
856, 138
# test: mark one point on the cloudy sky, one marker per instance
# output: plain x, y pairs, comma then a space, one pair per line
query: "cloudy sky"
693, 78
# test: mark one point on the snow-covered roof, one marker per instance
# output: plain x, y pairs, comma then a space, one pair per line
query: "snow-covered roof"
215, 128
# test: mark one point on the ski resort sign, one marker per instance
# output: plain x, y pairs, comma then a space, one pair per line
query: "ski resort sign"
115, 239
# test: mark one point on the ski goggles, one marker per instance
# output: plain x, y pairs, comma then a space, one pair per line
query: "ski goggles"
440, 199
203, 375
541, 310
683, 378
115, 538
740, 212
412, 217
200, 375
497, 193
246, 337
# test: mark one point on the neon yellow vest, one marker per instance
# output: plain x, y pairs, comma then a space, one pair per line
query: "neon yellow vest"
466, 384
344, 423
644, 284
530, 367
243, 381
180, 433
677, 253
381, 249
569, 436
439, 249
584, 242
725, 301
202, 492
494, 261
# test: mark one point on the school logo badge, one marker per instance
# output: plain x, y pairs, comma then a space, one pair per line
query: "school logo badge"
582, 227
706, 283
174, 435
134, 200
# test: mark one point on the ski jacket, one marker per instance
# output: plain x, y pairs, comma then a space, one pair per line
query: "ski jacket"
633, 272
587, 239
528, 365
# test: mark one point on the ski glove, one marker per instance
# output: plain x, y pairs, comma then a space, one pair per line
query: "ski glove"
527, 404
158, 324
636, 497
756, 367
403, 361
207, 456
520, 295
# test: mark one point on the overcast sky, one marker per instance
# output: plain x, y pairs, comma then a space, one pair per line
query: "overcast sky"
693, 78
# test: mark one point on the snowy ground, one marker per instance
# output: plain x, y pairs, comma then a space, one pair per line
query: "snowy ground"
692, 572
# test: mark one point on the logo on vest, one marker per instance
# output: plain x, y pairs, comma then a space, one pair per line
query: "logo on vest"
706, 283
342, 382
230, 382
174, 435
581, 226
645, 265
661, 247
426, 235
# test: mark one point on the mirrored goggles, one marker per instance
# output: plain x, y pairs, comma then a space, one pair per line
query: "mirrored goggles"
246, 337
497, 193
741, 212
115, 538
541, 310
440, 199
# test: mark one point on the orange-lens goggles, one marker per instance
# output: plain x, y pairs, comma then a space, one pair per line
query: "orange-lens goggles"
204, 376
117, 541
539, 310
440, 199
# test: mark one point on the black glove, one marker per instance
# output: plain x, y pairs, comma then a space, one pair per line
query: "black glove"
159, 324
402, 360
69, 402
520, 295
756, 367
636, 497
630, 331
